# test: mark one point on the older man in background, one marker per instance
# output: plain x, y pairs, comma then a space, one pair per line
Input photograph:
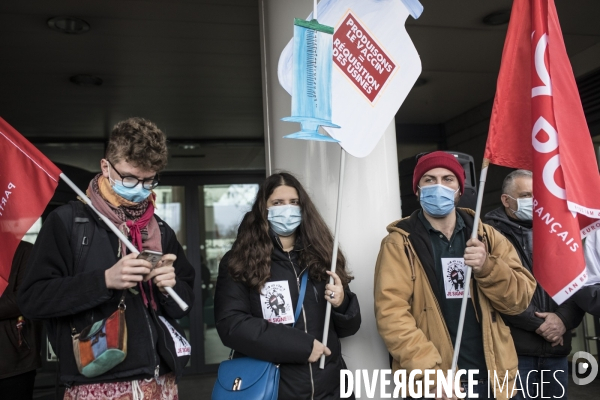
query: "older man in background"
542, 333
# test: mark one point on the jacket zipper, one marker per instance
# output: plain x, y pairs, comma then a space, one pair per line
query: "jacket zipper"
165, 342
545, 306
438, 307
156, 370
312, 383
543, 294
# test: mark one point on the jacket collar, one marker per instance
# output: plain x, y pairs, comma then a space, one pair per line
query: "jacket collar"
499, 215
298, 245
413, 229
407, 225
416, 233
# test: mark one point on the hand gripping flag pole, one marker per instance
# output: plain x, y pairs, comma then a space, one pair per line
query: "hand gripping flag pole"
119, 234
23, 202
465, 299
325, 96
305, 71
311, 107
536, 92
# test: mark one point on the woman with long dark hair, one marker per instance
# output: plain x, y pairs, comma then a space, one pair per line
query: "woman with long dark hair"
279, 240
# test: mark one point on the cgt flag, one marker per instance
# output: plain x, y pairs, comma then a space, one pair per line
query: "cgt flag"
27, 182
538, 124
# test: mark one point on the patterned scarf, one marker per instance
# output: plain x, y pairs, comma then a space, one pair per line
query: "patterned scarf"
134, 220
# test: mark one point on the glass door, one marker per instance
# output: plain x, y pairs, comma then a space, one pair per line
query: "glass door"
170, 207
222, 207
205, 213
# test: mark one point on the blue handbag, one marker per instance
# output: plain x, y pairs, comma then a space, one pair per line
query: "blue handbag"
248, 378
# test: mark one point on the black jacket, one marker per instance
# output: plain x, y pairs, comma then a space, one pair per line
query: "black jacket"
241, 326
17, 359
588, 299
55, 292
524, 325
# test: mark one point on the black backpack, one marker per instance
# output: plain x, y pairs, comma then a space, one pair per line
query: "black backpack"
83, 226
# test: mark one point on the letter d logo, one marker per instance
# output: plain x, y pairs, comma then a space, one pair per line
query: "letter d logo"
583, 367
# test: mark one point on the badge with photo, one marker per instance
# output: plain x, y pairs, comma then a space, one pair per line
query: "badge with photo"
276, 303
455, 272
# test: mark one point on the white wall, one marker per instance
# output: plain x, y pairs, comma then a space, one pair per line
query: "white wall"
371, 189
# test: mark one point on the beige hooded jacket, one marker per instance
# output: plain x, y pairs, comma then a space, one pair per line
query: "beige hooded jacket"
408, 315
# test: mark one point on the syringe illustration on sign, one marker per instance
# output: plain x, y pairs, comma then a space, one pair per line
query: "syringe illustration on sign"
311, 90
376, 66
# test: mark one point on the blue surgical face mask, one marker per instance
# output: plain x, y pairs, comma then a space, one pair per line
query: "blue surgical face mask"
136, 194
284, 219
524, 210
437, 200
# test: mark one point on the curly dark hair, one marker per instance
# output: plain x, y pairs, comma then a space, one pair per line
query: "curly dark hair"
139, 142
250, 260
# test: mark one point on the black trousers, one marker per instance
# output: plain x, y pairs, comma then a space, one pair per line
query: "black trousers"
18, 387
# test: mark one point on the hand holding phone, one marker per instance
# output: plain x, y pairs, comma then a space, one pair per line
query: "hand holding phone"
164, 273
151, 256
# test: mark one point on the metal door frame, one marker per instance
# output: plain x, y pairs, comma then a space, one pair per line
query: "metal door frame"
191, 182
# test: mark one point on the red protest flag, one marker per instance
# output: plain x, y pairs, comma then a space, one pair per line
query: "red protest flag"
538, 124
27, 182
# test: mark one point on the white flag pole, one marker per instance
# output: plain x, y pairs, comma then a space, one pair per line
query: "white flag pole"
336, 241
463, 306
119, 234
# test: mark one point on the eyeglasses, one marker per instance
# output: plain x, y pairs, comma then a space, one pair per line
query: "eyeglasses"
132, 181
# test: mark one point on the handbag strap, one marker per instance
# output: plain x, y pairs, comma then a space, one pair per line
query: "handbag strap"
121, 306
303, 284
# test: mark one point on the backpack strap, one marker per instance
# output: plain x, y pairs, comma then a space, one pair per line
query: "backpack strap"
163, 232
82, 233
303, 284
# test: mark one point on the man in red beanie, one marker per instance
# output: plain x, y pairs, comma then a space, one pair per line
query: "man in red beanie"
419, 285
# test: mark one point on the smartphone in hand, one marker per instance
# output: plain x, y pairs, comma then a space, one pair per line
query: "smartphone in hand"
151, 256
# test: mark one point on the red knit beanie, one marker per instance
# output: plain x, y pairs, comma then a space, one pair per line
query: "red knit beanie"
438, 159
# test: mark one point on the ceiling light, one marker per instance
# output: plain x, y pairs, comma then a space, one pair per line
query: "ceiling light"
86, 80
188, 146
69, 25
497, 18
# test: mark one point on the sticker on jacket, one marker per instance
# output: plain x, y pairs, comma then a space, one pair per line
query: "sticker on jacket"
182, 346
276, 303
455, 272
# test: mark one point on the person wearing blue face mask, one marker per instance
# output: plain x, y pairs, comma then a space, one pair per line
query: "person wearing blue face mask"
79, 270
280, 240
419, 284
542, 333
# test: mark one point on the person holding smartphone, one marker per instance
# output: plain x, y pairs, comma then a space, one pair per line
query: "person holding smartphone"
79, 270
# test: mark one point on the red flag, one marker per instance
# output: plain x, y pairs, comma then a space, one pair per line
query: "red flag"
538, 124
27, 182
